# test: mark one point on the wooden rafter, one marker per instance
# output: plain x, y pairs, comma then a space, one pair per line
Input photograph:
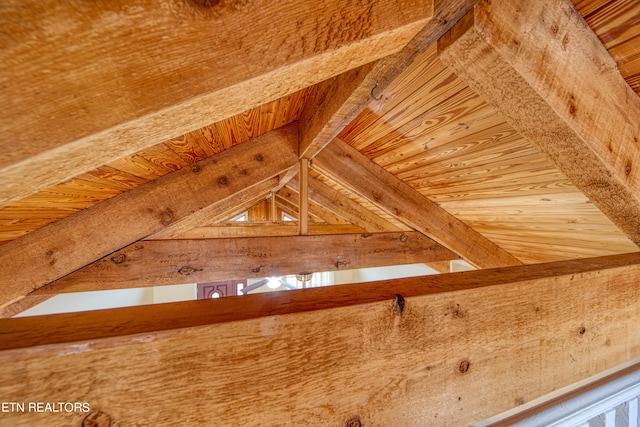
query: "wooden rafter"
343, 206
515, 333
53, 251
126, 77
219, 211
165, 262
355, 171
566, 95
290, 196
337, 101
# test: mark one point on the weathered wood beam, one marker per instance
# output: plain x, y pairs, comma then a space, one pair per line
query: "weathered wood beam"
547, 72
108, 79
341, 205
353, 170
167, 262
337, 101
513, 334
289, 228
57, 249
220, 211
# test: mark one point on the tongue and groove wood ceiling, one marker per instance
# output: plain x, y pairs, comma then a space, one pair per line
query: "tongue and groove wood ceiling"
428, 128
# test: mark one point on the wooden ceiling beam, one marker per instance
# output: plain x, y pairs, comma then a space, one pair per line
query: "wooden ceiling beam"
219, 211
343, 206
108, 79
547, 72
334, 103
289, 228
290, 196
57, 249
167, 262
515, 333
355, 171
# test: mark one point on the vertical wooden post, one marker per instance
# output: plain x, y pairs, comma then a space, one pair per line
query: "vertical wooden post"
273, 211
303, 220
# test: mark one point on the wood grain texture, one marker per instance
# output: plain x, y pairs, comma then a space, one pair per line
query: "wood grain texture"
23, 216
343, 206
303, 198
168, 262
354, 170
109, 79
291, 196
591, 125
617, 25
439, 136
524, 332
289, 228
62, 247
336, 102
219, 211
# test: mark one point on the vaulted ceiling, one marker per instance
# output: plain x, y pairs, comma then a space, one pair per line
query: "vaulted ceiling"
109, 137
501, 132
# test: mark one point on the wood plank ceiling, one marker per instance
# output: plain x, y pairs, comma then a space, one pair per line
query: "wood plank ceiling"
429, 129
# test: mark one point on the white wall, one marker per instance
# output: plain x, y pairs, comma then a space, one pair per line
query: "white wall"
96, 300
81, 301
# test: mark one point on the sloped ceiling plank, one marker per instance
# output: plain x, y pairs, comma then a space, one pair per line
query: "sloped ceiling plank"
168, 262
108, 79
524, 331
343, 206
238, 202
352, 169
53, 251
565, 96
336, 102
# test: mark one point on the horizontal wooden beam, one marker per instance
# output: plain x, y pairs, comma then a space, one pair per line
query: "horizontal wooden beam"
108, 79
57, 249
288, 228
334, 103
352, 169
167, 262
513, 333
549, 74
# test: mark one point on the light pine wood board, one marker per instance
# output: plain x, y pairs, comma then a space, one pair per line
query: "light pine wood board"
617, 25
42, 208
437, 135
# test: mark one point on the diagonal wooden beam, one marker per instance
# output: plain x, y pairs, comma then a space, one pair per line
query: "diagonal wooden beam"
352, 169
219, 211
515, 333
341, 205
290, 196
57, 249
109, 79
165, 262
547, 72
22, 304
334, 103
